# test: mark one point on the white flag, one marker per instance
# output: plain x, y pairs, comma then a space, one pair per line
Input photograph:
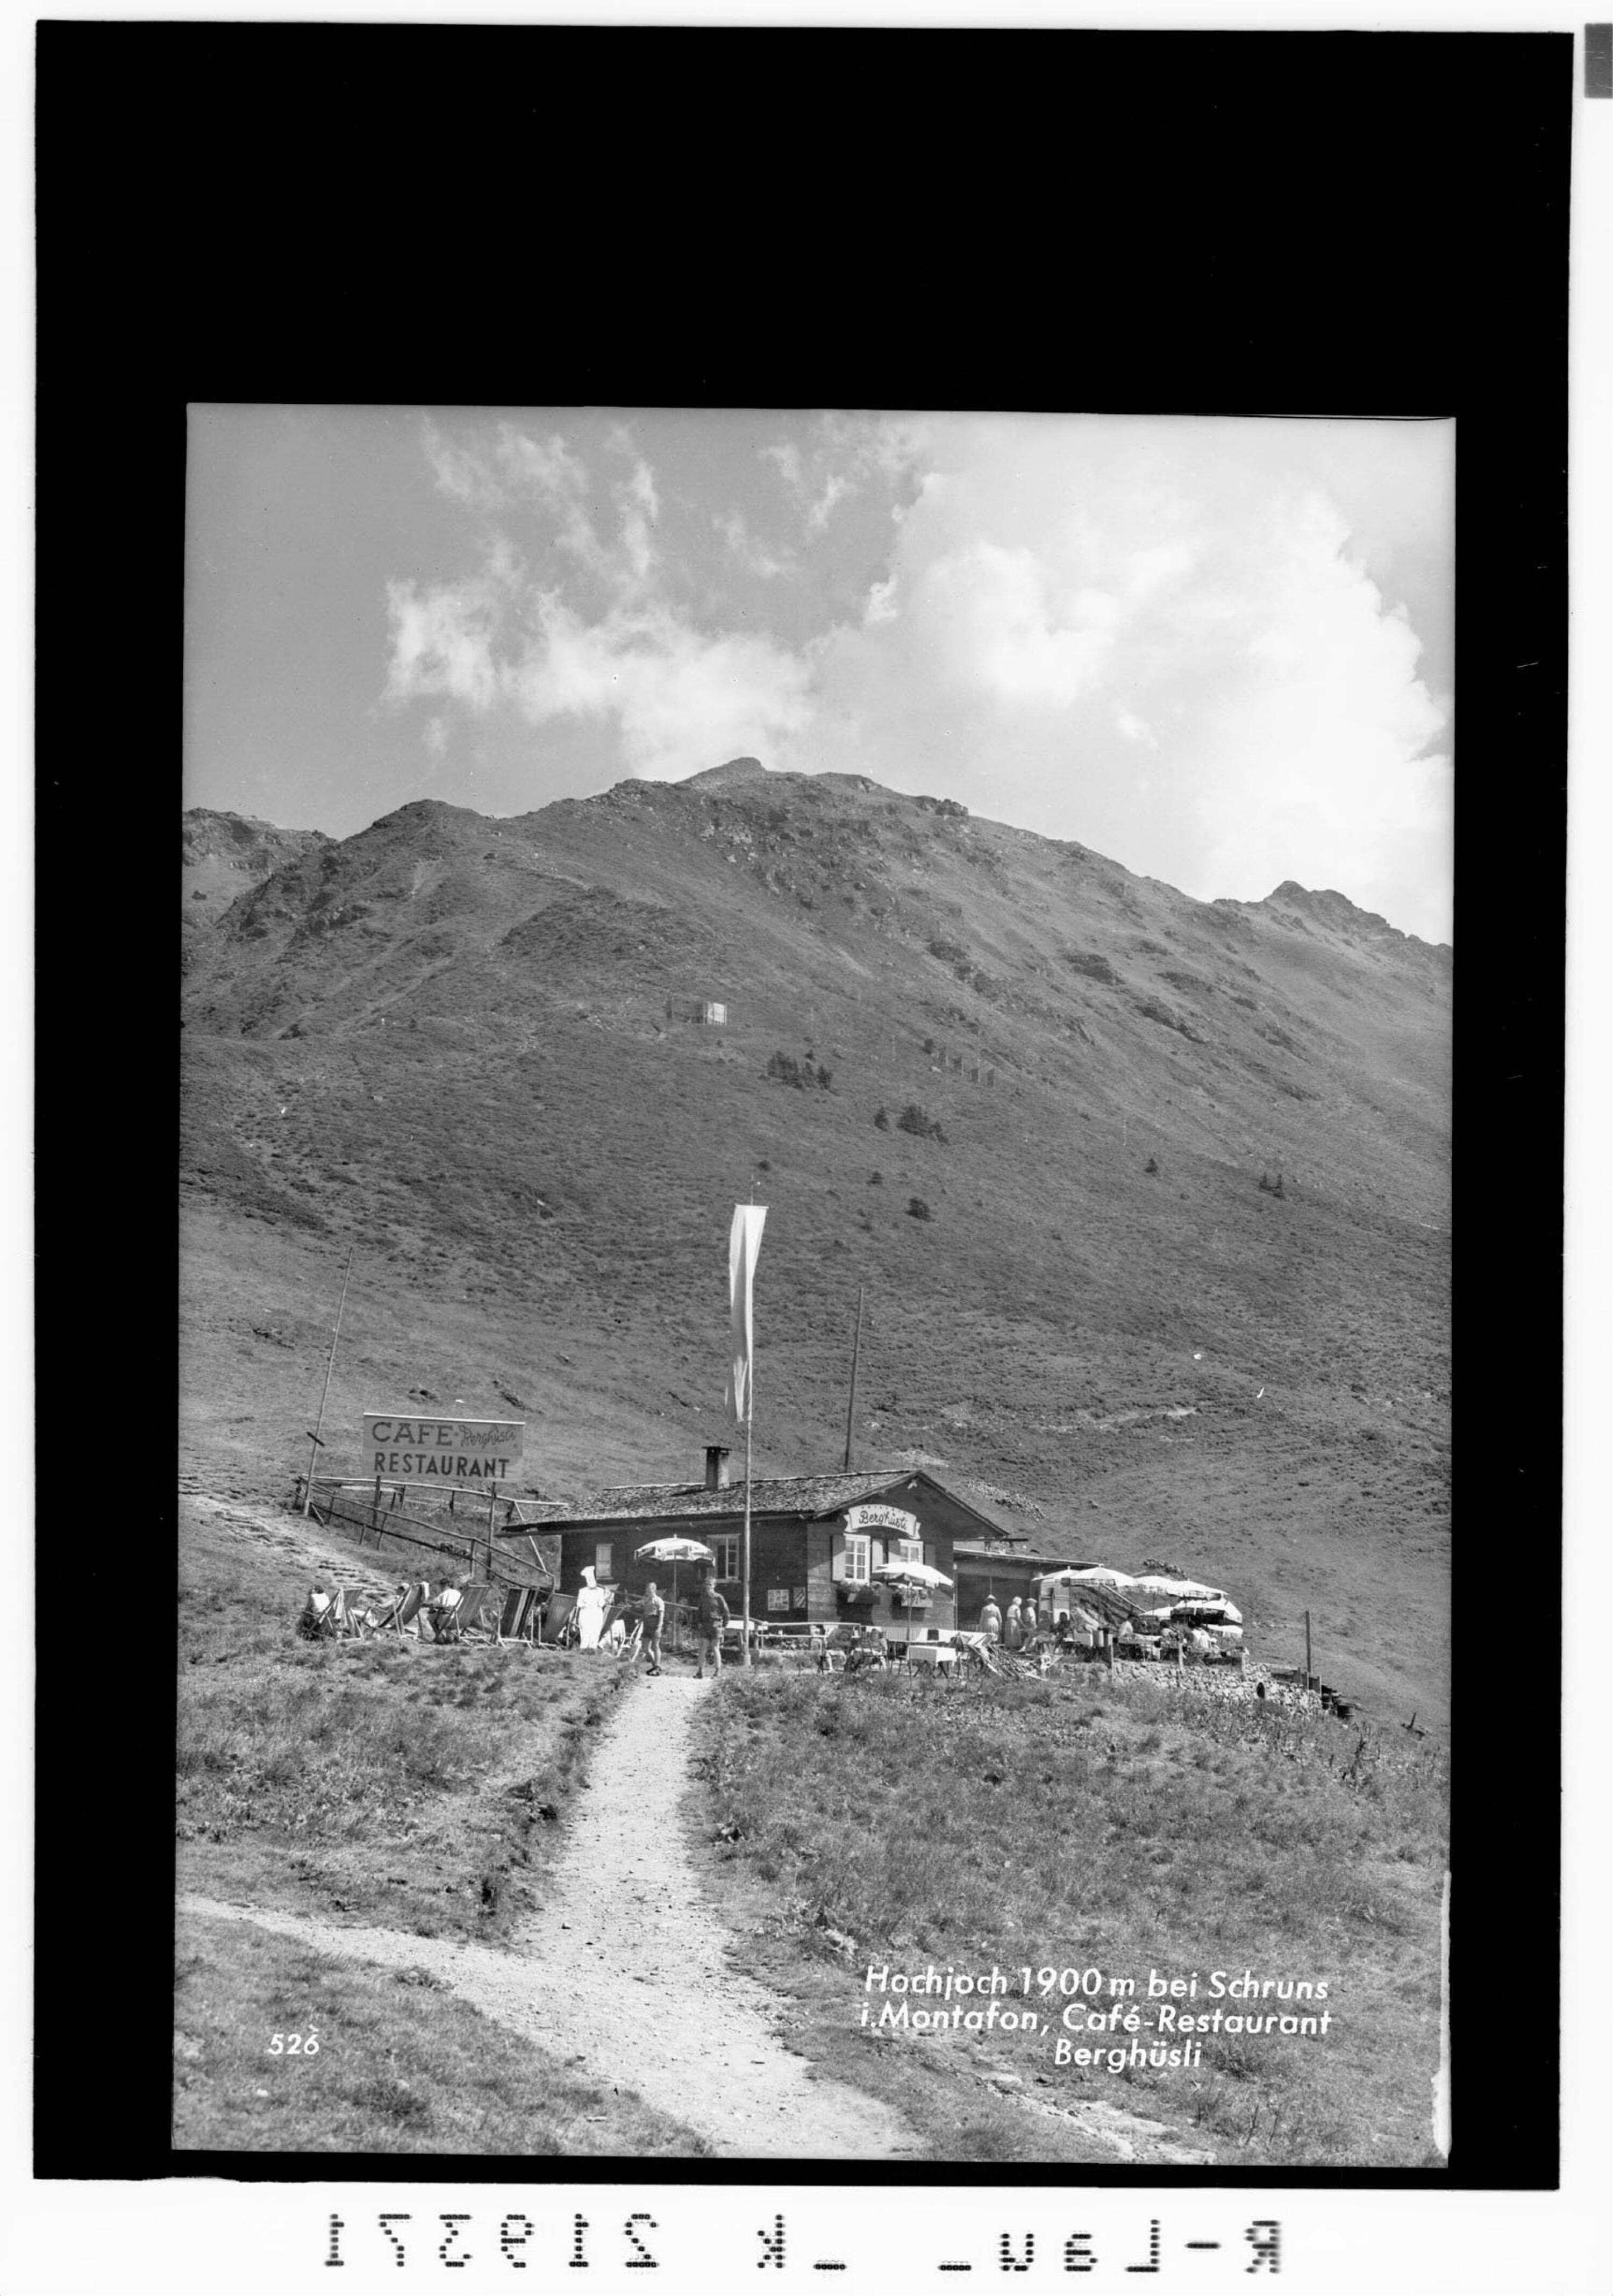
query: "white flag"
744, 1245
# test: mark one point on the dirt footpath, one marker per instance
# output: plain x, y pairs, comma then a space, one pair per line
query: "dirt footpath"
624, 1971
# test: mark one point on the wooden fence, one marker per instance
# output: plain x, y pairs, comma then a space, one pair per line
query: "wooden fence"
382, 1511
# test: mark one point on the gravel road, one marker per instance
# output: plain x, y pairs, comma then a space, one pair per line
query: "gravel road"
624, 1971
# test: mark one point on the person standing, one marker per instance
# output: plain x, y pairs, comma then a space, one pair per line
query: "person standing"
652, 1614
713, 1618
592, 1607
1013, 1626
991, 1620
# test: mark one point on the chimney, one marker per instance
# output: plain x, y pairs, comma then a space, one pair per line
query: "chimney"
717, 1466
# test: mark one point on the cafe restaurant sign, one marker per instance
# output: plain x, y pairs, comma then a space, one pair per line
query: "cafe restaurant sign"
443, 1450
888, 1519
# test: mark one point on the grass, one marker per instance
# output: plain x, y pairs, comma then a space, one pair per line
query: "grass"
418, 1785
402, 2065
1086, 1823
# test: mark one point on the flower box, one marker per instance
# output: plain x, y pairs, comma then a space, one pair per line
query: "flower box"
856, 1593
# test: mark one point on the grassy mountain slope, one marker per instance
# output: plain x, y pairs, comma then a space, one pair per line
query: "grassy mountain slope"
446, 1038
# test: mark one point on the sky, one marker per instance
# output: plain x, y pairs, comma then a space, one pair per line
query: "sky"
1219, 651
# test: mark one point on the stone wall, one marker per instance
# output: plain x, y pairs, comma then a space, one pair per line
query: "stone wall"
1221, 1682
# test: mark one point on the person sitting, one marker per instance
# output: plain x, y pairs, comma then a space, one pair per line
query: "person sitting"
441, 1611
318, 1619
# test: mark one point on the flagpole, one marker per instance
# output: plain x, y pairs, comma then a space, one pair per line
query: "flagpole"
745, 1586
307, 1499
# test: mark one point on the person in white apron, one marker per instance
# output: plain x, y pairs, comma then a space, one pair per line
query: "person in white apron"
593, 1606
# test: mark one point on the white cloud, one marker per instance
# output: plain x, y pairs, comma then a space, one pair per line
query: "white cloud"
787, 456
994, 630
437, 735
836, 488
640, 508
1162, 639
681, 698
881, 606
750, 554
495, 473
842, 454
443, 639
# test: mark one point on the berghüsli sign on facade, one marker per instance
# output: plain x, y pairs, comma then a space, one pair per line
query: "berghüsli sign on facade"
443, 1450
873, 1516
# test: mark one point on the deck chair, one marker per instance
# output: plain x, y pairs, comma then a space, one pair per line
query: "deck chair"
317, 1621
382, 1615
557, 1617
443, 1614
476, 1609
344, 1611
516, 1612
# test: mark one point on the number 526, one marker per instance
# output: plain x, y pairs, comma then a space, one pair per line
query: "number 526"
294, 2045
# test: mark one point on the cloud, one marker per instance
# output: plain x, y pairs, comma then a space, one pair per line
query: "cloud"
435, 735
751, 555
499, 471
787, 456
1164, 640
680, 697
990, 620
443, 640
881, 606
640, 507
840, 456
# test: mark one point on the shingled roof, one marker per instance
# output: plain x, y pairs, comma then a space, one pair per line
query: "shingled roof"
811, 1496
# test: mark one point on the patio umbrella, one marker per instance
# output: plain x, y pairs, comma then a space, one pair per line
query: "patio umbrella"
921, 1574
910, 1574
674, 1551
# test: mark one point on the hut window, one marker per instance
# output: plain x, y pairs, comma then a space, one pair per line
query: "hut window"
853, 1556
725, 1547
908, 1550
601, 1559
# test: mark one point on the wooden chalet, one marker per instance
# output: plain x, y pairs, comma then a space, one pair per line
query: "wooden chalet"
815, 1542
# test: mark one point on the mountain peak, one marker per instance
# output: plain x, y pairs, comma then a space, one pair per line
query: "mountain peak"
726, 776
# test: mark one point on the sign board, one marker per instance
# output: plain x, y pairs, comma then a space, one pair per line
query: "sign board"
882, 1517
443, 1450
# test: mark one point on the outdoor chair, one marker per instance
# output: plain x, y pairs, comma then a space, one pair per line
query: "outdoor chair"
514, 1611
559, 1625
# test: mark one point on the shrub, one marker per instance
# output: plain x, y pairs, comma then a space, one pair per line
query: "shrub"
876, 1179
787, 1068
917, 1207
914, 1119
882, 1122
1152, 1165
950, 952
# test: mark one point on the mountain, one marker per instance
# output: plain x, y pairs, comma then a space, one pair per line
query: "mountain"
471, 1049
220, 850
